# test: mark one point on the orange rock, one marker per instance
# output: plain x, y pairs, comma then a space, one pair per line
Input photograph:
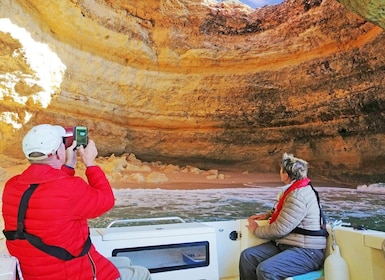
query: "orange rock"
210, 84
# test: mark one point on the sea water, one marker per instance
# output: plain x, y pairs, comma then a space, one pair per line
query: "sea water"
202, 205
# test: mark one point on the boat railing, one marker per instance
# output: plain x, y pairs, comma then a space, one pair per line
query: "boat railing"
146, 221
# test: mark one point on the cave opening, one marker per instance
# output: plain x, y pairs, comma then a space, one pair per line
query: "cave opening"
259, 3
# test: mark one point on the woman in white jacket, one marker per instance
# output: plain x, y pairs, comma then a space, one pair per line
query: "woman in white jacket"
295, 230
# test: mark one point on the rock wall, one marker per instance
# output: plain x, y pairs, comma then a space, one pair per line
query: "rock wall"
217, 85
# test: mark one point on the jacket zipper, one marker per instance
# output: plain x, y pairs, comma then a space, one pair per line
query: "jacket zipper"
93, 266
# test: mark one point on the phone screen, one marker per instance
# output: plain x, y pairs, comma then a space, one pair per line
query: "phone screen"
81, 136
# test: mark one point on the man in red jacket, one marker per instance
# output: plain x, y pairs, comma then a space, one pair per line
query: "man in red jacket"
56, 212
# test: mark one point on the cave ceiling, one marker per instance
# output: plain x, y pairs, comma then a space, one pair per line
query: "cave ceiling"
200, 82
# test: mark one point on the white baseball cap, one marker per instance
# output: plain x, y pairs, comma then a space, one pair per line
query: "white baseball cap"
43, 138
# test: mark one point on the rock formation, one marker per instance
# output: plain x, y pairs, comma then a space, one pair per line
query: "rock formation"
216, 85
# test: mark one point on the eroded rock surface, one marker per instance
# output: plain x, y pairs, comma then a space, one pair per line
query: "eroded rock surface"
216, 85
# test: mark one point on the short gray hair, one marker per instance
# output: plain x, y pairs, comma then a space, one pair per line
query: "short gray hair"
296, 168
39, 159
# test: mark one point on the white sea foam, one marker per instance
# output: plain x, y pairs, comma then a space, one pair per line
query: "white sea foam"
372, 188
350, 205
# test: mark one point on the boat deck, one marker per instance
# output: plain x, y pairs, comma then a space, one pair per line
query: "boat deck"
362, 250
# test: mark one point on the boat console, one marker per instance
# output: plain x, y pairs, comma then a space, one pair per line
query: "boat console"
170, 251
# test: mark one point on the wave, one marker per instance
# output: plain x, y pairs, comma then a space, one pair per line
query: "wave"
378, 188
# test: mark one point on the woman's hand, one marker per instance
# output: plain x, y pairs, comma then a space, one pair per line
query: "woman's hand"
252, 221
262, 216
252, 224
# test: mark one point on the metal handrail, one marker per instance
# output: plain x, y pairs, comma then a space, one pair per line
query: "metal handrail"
126, 221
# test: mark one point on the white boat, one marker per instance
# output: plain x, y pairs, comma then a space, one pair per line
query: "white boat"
173, 249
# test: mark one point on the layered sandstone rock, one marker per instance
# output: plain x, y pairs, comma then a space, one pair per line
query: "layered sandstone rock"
216, 85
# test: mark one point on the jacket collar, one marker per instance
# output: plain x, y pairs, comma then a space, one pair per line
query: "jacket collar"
40, 173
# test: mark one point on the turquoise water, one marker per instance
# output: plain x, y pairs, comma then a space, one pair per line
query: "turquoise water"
202, 205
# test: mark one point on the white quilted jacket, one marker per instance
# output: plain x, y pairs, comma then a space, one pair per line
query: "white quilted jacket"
300, 209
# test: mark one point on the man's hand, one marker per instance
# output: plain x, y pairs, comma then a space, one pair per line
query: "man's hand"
88, 154
71, 159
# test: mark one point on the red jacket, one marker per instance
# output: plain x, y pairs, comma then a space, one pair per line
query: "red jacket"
57, 212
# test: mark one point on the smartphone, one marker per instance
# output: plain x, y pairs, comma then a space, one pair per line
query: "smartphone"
81, 136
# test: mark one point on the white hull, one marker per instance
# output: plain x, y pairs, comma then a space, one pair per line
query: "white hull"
361, 249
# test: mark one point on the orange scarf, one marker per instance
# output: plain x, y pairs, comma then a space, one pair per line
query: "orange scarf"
296, 185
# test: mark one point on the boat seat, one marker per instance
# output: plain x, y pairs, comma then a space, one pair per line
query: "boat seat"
312, 275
